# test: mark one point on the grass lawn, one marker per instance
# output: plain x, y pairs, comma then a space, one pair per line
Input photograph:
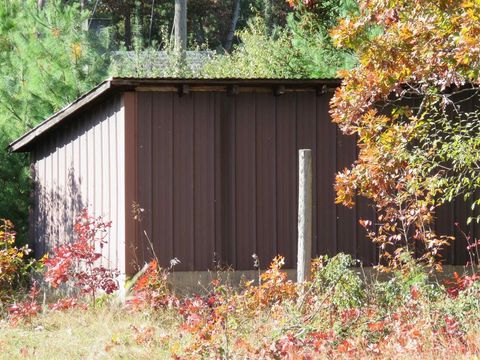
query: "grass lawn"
107, 333
336, 315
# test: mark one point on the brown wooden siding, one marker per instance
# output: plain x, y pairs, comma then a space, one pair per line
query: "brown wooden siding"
216, 174
218, 178
81, 165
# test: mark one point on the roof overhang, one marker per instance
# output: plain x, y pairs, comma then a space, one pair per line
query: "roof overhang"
24, 143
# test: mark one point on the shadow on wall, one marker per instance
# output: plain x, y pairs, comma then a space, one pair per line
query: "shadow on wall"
55, 210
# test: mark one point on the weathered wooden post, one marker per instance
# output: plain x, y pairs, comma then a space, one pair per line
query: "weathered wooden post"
304, 214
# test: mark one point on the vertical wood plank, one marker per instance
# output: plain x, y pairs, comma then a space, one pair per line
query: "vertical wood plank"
326, 169
83, 169
346, 218
71, 179
76, 179
219, 170
228, 213
90, 146
105, 176
144, 106
204, 204
131, 229
59, 191
183, 178
49, 199
246, 242
266, 204
162, 192
98, 166
38, 232
121, 179
286, 159
114, 200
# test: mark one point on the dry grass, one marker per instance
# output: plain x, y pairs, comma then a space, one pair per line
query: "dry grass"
113, 333
107, 333
406, 317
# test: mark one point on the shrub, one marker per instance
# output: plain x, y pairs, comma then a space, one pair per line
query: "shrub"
409, 281
273, 288
25, 310
151, 290
335, 276
77, 263
14, 266
463, 300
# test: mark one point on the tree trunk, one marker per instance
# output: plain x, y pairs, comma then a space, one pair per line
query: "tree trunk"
233, 26
180, 27
268, 13
151, 23
138, 31
128, 30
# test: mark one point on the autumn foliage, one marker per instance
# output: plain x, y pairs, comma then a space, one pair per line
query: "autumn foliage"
406, 104
78, 263
151, 290
14, 264
274, 318
338, 314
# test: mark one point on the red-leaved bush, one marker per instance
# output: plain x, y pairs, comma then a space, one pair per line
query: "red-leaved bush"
459, 283
78, 263
151, 290
25, 310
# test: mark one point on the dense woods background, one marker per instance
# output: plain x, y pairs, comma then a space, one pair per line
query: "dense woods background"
52, 51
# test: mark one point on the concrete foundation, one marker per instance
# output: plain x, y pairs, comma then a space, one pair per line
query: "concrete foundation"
198, 281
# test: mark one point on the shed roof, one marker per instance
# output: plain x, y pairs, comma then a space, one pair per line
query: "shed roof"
112, 85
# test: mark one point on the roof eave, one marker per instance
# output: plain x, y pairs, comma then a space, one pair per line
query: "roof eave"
21, 144
125, 84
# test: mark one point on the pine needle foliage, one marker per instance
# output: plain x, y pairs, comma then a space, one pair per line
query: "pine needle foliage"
46, 60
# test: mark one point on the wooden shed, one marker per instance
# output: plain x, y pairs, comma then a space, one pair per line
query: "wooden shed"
213, 163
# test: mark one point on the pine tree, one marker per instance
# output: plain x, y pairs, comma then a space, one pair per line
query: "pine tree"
46, 61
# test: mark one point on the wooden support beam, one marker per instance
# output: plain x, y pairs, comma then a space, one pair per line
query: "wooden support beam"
183, 89
279, 90
233, 90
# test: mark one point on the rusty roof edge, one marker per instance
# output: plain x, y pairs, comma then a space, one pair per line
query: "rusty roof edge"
125, 84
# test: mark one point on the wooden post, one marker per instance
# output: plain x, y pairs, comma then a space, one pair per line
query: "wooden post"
304, 214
